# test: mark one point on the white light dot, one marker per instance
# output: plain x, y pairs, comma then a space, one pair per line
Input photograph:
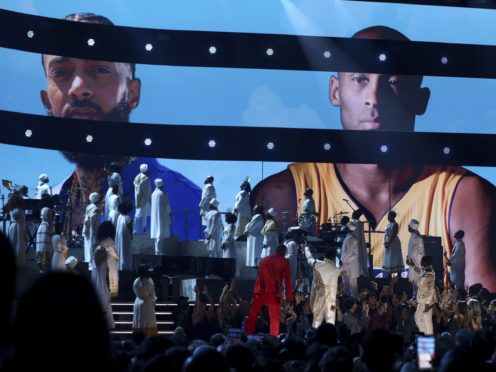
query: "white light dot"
270, 145
384, 148
270, 51
212, 50
327, 146
444, 60
446, 150
327, 54
211, 143
28, 133
382, 57
148, 141
30, 34
89, 138
148, 47
91, 42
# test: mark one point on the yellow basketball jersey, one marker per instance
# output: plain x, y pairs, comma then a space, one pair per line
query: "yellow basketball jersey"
428, 200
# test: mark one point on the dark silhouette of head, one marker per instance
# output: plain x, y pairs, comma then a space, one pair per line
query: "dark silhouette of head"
281, 250
330, 253
8, 277
327, 335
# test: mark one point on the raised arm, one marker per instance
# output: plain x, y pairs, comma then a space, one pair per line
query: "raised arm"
311, 261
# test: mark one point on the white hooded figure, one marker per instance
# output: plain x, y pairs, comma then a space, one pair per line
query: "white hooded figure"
270, 234
18, 234
208, 193
60, 250
415, 252
142, 197
144, 317
214, 230
44, 249
123, 238
350, 261
114, 179
113, 204
90, 226
43, 188
242, 208
254, 242
160, 216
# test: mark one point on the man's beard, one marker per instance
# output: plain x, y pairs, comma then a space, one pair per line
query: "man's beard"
90, 161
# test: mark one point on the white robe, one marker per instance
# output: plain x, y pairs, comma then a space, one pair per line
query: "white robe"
114, 179
160, 217
214, 232
59, 252
142, 196
144, 318
324, 289
228, 250
350, 264
18, 234
242, 210
362, 248
308, 218
113, 211
271, 238
457, 263
90, 226
254, 244
415, 253
123, 243
43, 189
425, 296
292, 256
208, 193
99, 277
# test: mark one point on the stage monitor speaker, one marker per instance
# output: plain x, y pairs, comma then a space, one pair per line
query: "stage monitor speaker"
433, 247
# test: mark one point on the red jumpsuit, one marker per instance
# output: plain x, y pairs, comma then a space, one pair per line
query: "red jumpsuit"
272, 271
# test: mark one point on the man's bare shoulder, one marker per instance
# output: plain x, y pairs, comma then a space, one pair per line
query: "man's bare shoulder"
277, 191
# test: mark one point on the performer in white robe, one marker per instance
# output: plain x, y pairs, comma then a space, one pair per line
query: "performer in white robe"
44, 249
60, 250
292, 251
142, 198
350, 261
426, 295
242, 208
99, 276
90, 226
43, 187
144, 318
270, 234
457, 262
415, 252
214, 230
123, 237
114, 180
362, 245
113, 205
324, 287
208, 193
228, 243
161, 216
18, 234
254, 243
393, 256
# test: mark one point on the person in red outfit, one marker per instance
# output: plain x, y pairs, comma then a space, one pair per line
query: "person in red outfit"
272, 271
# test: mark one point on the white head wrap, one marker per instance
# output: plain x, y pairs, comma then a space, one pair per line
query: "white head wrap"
94, 197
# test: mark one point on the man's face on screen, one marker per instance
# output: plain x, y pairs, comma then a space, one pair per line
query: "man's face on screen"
377, 101
88, 89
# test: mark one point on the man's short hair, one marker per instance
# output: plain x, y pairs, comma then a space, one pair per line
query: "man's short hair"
281, 250
426, 261
330, 253
92, 18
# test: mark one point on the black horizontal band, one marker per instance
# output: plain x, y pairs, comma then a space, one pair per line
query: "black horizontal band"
243, 50
247, 143
482, 4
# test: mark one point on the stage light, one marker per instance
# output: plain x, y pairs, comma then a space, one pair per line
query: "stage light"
269, 51
89, 138
446, 150
327, 54
382, 57
444, 60
91, 42
148, 141
28, 133
211, 143
148, 47
270, 145
30, 34
384, 148
327, 146
212, 50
